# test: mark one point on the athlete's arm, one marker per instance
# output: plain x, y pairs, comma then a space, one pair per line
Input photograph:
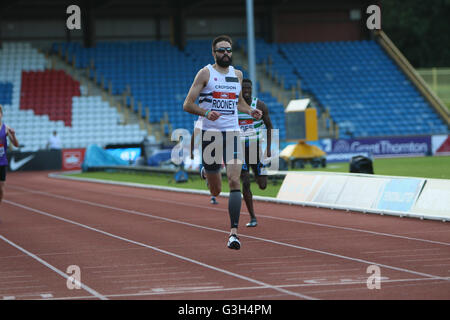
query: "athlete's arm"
268, 123
12, 136
189, 105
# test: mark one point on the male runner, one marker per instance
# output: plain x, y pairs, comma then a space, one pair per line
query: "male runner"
219, 89
5, 131
251, 136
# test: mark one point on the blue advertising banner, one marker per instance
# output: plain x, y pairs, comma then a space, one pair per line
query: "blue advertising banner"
127, 154
400, 194
344, 149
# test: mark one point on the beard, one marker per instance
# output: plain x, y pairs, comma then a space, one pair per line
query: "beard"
224, 63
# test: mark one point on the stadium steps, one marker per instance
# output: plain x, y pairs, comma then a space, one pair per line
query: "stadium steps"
32, 91
271, 82
391, 50
363, 89
91, 88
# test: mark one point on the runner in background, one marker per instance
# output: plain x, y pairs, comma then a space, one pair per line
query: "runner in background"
5, 132
251, 137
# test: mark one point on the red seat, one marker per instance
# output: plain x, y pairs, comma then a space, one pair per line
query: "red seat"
49, 92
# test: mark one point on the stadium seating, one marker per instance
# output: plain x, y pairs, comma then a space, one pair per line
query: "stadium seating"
6, 92
278, 65
49, 92
158, 75
38, 101
363, 89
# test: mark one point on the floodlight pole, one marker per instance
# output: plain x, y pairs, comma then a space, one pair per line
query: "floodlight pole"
251, 43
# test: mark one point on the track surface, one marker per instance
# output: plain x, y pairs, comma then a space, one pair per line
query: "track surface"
133, 243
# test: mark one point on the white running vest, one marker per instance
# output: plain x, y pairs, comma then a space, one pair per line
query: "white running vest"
221, 94
250, 127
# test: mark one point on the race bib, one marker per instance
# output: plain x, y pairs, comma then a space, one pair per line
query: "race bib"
247, 127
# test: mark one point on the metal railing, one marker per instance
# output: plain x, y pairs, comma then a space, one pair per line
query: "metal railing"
438, 79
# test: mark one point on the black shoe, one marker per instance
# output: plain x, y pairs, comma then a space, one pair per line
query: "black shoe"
233, 242
252, 223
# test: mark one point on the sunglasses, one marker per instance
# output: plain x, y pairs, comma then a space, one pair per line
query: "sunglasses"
222, 50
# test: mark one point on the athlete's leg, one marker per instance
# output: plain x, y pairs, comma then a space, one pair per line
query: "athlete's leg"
212, 163
235, 200
247, 192
214, 179
232, 154
261, 177
2, 187
262, 182
2, 181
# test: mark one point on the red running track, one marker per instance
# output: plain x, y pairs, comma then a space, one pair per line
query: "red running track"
133, 243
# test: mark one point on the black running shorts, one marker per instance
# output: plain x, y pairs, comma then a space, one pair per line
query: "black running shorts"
210, 160
2, 173
255, 161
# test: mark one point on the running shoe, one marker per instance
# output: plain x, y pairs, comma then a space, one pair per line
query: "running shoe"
214, 201
252, 223
233, 242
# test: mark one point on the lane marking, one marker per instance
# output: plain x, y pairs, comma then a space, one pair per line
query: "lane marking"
235, 275
242, 235
225, 210
48, 265
309, 284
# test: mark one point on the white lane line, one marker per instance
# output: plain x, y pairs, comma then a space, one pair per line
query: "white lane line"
401, 250
241, 235
259, 215
305, 284
48, 265
235, 275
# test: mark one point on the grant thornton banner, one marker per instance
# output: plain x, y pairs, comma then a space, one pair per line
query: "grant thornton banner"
344, 149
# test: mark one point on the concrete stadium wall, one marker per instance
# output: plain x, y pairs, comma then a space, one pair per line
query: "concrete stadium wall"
43, 33
317, 26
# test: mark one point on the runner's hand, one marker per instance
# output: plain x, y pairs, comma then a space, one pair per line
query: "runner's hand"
256, 113
213, 115
10, 131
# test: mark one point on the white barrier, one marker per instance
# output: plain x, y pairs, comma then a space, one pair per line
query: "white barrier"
361, 192
434, 199
400, 196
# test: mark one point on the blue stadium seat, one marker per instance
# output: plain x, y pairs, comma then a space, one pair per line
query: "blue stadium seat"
158, 74
359, 76
355, 80
6, 89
